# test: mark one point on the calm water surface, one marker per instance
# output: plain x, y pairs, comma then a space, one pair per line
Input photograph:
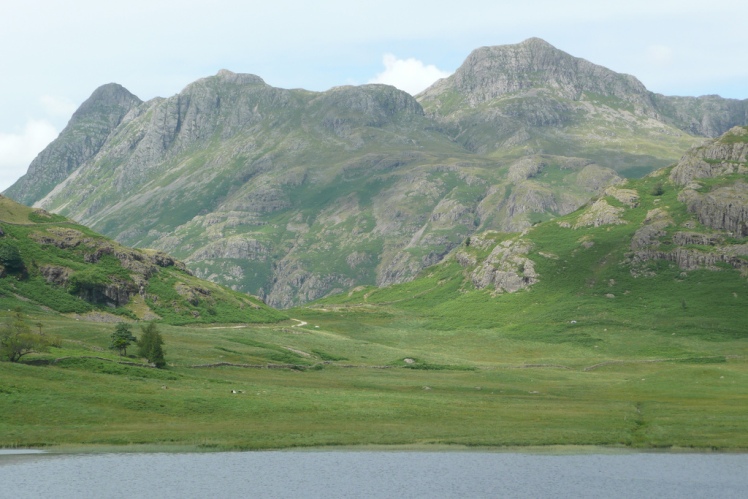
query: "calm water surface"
332, 474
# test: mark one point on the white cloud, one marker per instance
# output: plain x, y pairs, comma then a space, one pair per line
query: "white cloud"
410, 75
17, 150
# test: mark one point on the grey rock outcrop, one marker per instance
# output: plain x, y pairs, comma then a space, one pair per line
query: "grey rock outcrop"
507, 268
233, 247
492, 72
721, 157
724, 208
716, 196
697, 238
296, 285
142, 265
652, 229
692, 259
55, 274
115, 293
600, 213
626, 196
707, 116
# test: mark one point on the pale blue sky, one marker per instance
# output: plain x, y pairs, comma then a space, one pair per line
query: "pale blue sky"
53, 55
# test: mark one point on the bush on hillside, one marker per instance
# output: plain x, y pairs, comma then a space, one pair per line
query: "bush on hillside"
10, 257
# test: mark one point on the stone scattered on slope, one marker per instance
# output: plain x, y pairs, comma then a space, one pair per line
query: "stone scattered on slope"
600, 213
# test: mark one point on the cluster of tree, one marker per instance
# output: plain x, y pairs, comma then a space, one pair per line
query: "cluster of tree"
150, 344
18, 339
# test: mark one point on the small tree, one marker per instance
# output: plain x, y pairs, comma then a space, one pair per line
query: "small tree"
149, 345
10, 257
122, 338
17, 339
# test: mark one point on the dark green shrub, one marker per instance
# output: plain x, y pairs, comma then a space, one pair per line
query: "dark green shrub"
10, 257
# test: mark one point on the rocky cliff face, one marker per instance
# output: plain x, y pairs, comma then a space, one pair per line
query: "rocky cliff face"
708, 115
711, 185
725, 156
81, 140
114, 291
721, 205
293, 195
534, 65
533, 96
507, 269
723, 208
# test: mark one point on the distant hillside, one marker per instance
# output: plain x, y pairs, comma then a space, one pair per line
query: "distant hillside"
668, 252
58, 264
293, 195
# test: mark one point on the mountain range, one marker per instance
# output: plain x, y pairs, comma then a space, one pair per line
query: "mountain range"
293, 195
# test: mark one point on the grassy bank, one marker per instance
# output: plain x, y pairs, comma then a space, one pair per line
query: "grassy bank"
370, 395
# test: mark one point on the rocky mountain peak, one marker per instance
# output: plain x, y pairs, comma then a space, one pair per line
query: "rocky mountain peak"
111, 101
369, 105
536, 43
226, 76
491, 72
81, 140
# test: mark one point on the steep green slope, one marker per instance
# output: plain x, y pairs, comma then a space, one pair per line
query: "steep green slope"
652, 268
57, 264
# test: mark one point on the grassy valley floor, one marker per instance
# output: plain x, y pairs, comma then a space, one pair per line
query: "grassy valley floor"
353, 383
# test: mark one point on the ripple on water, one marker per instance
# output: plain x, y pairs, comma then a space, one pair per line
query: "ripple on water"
373, 474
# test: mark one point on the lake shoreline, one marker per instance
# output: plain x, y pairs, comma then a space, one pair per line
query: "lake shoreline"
551, 450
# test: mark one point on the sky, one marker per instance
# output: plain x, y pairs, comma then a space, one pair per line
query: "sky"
54, 54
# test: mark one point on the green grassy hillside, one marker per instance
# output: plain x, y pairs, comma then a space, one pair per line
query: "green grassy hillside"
52, 263
620, 324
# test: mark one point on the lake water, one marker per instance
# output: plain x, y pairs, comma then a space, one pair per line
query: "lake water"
351, 474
